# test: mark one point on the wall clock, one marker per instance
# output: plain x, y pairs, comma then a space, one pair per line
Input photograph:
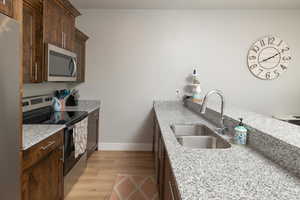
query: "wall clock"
268, 58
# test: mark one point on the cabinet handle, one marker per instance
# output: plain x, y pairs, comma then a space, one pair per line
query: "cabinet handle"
62, 39
171, 189
47, 146
36, 72
65, 40
159, 156
31, 73
63, 154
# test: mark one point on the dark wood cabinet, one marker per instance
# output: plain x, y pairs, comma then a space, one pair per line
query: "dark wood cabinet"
93, 132
32, 42
59, 23
80, 50
43, 180
170, 191
6, 7
45, 21
159, 158
166, 183
42, 176
52, 23
68, 31
156, 135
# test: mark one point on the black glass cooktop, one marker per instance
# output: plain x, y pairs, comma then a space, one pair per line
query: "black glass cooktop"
48, 116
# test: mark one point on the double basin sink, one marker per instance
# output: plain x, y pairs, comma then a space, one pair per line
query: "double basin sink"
199, 136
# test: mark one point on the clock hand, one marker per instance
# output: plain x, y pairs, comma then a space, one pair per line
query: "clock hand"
264, 60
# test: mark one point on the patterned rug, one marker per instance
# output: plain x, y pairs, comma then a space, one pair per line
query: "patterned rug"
134, 187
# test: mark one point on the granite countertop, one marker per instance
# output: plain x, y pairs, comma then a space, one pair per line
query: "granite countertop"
237, 173
85, 105
33, 134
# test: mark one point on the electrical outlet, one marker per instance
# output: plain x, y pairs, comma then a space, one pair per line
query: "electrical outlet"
178, 95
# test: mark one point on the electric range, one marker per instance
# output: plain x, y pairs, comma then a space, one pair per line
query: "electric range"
48, 116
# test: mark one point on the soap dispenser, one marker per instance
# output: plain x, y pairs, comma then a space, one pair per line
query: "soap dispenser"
240, 135
196, 89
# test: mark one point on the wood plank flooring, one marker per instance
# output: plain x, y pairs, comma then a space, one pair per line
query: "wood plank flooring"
103, 166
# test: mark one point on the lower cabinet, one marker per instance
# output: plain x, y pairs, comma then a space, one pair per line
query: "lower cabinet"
42, 176
166, 183
170, 187
93, 132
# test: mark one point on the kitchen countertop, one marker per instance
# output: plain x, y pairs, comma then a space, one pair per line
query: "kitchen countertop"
85, 105
237, 173
33, 134
284, 131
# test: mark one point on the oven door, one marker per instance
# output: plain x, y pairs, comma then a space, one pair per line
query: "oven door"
69, 150
61, 64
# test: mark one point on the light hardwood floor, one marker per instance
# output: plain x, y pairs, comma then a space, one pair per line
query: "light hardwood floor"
103, 166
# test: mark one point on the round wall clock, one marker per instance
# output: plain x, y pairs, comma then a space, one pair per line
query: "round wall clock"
268, 58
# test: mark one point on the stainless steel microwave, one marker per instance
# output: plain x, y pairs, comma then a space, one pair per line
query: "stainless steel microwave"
60, 64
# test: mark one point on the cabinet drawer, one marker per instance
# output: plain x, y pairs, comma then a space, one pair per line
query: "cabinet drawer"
40, 150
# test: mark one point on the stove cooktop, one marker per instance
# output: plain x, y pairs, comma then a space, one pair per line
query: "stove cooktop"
52, 117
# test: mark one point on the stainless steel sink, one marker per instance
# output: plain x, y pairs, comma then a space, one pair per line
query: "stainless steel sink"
198, 136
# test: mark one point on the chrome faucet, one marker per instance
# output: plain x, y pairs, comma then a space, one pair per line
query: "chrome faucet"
204, 105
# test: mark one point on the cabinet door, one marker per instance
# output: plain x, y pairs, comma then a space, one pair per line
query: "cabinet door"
44, 180
6, 7
29, 69
80, 43
80, 51
155, 149
39, 46
52, 23
32, 44
93, 132
170, 188
161, 169
68, 29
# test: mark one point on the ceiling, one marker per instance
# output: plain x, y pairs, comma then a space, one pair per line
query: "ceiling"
186, 4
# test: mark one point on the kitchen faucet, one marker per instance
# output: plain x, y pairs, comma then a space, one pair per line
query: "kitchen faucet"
204, 105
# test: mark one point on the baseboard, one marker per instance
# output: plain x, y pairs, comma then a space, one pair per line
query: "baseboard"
125, 146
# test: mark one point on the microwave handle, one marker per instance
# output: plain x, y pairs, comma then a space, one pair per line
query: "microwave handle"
75, 66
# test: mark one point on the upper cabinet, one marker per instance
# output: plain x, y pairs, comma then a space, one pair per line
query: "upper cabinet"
68, 31
32, 42
45, 21
80, 50
59, 23
6, 7
52, 23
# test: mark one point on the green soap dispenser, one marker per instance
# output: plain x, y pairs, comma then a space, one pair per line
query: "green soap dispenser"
240, 135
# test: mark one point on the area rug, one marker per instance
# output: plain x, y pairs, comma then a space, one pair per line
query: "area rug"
134, 187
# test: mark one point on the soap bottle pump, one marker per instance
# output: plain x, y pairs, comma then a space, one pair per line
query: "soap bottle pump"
240, 135
195, 78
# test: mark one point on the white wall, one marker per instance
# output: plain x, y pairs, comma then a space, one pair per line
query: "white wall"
136, 56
